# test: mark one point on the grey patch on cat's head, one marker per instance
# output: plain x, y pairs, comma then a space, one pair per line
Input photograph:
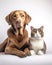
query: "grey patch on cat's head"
33, 31
40, 30
37, 32
32, 27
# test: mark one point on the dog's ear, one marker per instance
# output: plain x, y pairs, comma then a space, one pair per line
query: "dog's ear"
27, 18
8, 18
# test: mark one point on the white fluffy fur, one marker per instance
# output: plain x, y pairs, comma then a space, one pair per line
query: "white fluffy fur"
32, 52
37, 44
40, 52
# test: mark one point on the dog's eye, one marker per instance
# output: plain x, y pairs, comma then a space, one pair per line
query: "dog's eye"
21, 15
14, 16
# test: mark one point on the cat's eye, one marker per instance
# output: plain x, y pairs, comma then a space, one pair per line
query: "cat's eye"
39, 31
35, 30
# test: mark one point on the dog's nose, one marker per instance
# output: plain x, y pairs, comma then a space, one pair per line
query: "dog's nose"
18, 22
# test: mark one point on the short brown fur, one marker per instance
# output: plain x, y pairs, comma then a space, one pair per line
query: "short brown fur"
17, 42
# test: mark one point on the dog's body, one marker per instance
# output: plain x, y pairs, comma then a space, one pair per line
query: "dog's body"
17, 42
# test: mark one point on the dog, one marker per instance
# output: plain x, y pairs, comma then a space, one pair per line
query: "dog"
17, 42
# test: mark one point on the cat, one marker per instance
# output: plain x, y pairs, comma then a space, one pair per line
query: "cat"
36, 40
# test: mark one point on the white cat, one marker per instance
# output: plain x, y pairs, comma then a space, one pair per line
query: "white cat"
36, 40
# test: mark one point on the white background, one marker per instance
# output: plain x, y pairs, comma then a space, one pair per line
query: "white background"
40, 12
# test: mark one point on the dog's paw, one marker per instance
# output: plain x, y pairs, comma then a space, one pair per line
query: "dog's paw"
27, 52
22, 55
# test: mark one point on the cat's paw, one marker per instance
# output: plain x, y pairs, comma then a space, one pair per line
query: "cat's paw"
40, 52
32, 52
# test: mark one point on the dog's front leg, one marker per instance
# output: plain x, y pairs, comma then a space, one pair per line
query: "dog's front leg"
27, 52
3, 45
21, 44
14, 51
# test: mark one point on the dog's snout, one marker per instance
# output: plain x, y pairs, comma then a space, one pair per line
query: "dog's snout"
18, 22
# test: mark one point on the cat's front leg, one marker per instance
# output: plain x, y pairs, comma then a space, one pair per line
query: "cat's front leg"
41, 52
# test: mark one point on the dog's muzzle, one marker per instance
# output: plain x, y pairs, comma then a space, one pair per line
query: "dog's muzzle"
18, 24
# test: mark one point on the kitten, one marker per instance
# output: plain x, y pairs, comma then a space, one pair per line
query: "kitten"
36, 40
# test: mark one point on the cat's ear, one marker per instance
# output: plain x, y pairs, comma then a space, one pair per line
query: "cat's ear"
32, 27
42, 27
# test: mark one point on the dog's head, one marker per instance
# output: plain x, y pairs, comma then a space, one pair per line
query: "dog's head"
18, 19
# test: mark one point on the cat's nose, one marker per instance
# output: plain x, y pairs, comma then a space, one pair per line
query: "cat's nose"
38, 34
35, 35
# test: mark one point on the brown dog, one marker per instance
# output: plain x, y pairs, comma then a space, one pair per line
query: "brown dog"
17, 42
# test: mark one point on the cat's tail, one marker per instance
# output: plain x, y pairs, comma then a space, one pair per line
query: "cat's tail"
3, 45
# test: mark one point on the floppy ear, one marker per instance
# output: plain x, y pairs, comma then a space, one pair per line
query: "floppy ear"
27, 18
8, 19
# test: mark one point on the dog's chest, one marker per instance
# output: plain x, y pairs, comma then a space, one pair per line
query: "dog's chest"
37, 44
20, 38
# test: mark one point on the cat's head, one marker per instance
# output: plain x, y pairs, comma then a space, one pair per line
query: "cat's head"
37, 32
